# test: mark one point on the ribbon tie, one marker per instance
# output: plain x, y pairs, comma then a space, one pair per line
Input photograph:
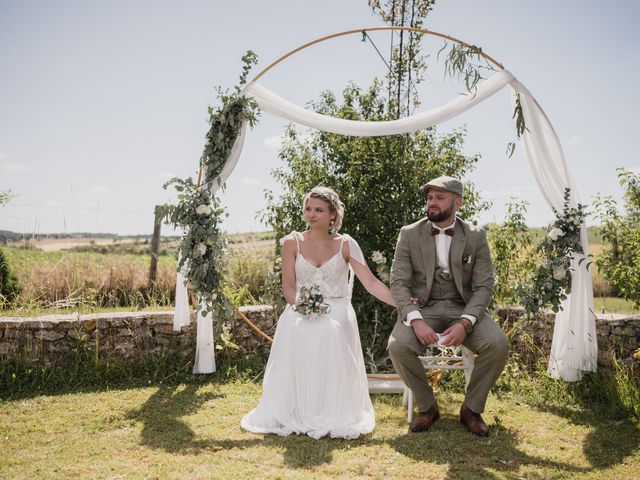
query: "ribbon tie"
436, 231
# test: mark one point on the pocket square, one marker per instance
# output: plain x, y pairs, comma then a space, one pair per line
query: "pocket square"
467, 258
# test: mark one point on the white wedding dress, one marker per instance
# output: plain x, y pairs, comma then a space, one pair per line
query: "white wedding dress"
315, 382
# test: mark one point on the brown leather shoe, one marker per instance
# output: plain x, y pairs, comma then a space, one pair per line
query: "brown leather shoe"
423, 420
473, 421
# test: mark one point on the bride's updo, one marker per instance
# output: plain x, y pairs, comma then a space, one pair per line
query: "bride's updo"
332, 199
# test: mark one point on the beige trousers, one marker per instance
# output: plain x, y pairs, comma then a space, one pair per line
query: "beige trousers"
486, 340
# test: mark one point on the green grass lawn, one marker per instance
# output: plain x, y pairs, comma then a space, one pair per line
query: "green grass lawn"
614, 305
192, 431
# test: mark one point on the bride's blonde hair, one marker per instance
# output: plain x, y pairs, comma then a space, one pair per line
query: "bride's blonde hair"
332, 199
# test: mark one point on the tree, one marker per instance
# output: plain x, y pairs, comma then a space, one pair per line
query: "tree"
377, 178
620, 263
406, 64
9, 288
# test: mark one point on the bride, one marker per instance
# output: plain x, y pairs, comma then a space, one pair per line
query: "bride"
315, 381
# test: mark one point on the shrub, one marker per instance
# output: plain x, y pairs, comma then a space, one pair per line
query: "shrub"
9, 288
620, 263
377, 178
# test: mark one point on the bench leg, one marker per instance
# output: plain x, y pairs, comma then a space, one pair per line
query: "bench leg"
407, 400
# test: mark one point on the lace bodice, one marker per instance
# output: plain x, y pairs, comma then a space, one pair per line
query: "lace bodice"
334, 277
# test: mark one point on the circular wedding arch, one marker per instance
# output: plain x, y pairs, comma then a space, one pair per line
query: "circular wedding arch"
574, 347
374, 29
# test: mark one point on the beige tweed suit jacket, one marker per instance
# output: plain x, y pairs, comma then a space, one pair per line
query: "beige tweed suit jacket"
415, 260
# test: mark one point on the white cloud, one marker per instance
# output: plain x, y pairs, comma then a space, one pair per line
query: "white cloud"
100, 189
167, 175
250, 181
52, 203
575, 140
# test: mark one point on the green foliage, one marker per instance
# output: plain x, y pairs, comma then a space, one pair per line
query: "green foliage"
465, 62
203, 250
9, 288
203, 253
620, 263
5, 197
377, 178
406, 64
551, 283
226, 122
511, 252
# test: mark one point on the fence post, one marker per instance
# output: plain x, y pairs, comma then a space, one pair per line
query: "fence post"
155, 246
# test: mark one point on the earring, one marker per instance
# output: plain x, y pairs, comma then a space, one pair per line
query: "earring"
332, 228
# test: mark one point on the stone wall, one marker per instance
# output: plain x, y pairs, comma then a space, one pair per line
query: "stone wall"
127, 336
618, 336
136, 335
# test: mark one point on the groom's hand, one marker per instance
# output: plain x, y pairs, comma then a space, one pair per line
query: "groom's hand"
424, 333
454, 335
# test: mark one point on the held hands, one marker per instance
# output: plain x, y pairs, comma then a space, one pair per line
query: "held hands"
453, 336
424, 333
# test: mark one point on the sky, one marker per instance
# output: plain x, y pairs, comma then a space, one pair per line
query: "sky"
102, 102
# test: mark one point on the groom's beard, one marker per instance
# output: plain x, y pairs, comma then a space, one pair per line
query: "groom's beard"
437, 215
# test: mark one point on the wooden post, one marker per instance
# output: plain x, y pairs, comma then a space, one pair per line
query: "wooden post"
155, 246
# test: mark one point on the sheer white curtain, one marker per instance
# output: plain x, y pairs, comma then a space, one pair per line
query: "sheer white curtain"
574, 348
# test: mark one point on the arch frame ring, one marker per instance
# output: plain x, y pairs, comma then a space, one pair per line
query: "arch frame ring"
374, 29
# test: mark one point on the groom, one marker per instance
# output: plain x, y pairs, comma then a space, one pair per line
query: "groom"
445, 263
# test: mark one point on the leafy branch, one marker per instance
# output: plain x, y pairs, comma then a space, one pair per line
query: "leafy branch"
203, 251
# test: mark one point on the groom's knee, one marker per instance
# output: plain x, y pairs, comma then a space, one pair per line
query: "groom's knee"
398, 349
499, 347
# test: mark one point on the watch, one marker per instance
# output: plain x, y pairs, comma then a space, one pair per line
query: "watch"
466, 323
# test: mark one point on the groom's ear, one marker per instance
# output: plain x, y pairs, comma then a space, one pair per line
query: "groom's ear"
458, 202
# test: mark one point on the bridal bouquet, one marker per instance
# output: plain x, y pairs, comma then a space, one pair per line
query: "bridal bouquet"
310, 302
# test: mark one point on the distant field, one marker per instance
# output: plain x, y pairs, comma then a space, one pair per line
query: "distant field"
56, 244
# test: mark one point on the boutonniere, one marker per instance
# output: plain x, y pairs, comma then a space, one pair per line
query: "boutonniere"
467, 258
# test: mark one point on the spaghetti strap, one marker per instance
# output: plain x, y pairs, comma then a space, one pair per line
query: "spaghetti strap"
295, 235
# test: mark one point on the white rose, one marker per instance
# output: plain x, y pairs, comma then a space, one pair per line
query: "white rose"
200, 249
555, 233
378, 257
559, 273
203, 209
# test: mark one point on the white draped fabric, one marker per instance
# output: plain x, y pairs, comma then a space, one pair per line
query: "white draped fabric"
181, 316
574, 348
205, 361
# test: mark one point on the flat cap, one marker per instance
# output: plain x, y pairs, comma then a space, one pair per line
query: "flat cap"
448, 184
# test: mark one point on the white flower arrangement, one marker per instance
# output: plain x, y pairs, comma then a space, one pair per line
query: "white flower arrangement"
555, 233
203, 209
378, 257
200, 249
310, 302
551, 283
382, 268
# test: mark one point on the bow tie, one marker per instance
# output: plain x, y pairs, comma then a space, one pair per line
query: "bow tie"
436, 231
